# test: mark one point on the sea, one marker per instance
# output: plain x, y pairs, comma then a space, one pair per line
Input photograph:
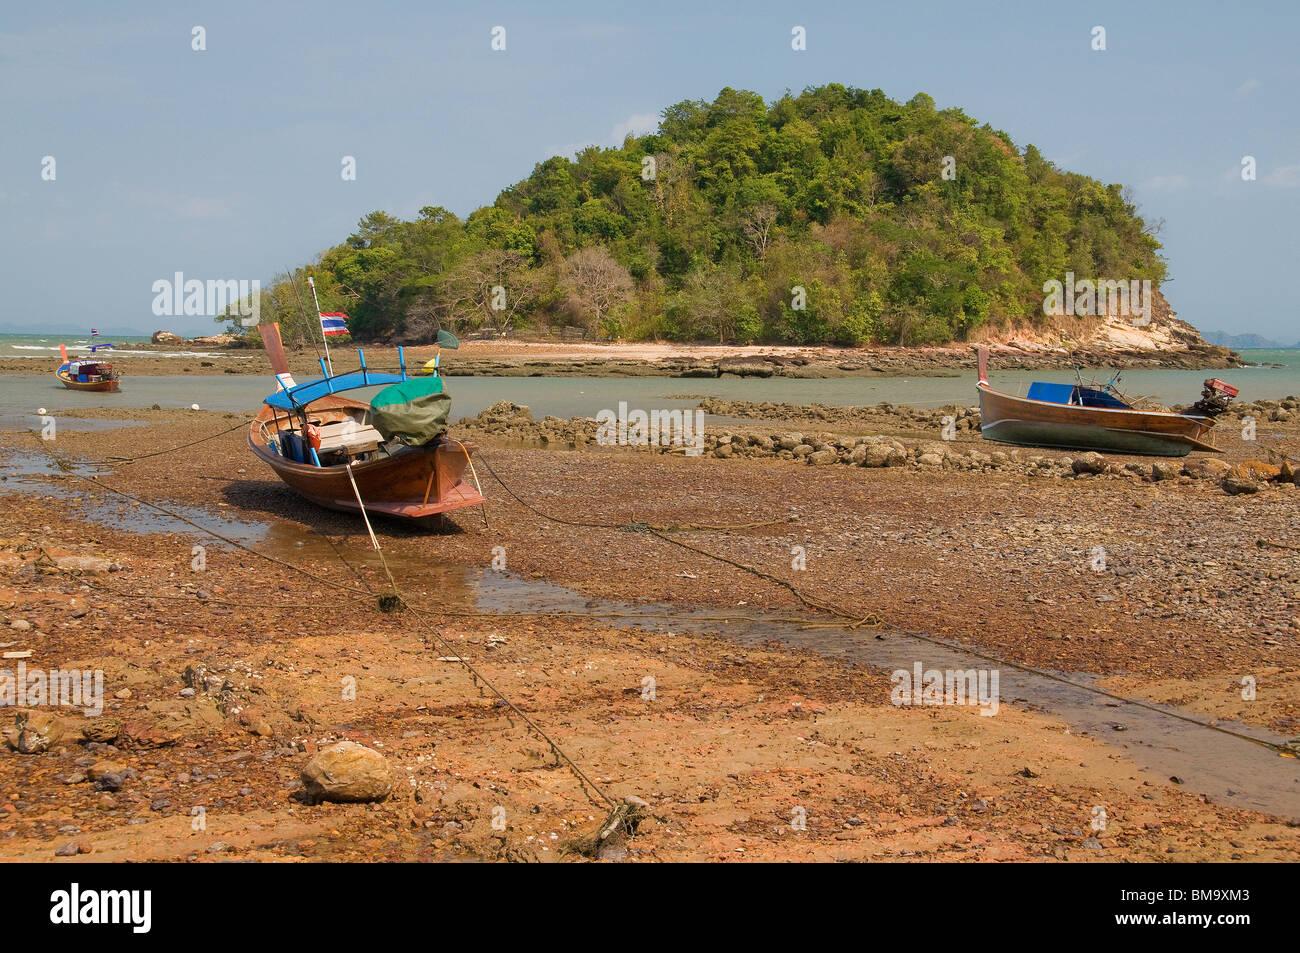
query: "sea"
1274, 374
46, 346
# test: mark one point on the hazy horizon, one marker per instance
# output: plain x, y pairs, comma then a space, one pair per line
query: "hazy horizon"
225, 162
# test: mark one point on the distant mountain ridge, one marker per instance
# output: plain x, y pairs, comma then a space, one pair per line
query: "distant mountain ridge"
1249, 341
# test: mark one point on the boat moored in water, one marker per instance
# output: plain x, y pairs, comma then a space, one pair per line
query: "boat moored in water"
90, 374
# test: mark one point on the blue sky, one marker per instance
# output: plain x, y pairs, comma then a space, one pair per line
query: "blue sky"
225, 163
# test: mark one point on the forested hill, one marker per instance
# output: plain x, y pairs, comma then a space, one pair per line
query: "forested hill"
704, 231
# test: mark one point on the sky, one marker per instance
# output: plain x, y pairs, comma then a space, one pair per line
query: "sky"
225, 163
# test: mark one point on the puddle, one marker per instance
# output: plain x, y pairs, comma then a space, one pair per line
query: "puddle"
1233, 771
37, 474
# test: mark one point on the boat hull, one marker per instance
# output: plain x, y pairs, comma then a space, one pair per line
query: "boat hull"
1036, 423
416, 484
108, 386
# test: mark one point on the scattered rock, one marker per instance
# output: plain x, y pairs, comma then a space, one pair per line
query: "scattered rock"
1235, 485
345, 772
1089, 463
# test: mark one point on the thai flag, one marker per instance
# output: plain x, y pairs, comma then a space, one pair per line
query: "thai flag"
94, 332
333, 322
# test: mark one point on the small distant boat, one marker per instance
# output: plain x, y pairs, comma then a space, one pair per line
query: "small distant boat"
1091, 417
91, 374
392, 454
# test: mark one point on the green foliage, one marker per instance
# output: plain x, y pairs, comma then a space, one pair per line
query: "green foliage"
836, 190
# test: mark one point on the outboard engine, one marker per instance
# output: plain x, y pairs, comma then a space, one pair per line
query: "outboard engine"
1215, 397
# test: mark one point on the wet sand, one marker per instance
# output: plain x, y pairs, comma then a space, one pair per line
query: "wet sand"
1201, 590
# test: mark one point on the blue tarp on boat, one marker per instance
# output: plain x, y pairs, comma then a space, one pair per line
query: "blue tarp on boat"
1052, 393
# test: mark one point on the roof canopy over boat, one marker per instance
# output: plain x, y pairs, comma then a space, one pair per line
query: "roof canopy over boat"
300, 395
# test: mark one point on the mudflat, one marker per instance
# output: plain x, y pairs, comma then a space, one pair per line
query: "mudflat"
225, 674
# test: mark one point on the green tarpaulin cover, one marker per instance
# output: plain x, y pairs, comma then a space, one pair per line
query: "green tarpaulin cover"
412, 412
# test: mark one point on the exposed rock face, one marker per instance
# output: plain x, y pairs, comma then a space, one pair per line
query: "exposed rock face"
166, 337
347, 771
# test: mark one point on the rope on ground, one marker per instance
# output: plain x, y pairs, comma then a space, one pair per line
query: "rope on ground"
853, 620
67, 468
874, 621
476, 676
115, 461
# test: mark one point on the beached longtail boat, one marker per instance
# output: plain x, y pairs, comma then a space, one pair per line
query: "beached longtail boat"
1088, 417
91, 374
392, 452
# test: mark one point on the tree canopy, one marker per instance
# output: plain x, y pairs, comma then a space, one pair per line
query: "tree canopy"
833, 216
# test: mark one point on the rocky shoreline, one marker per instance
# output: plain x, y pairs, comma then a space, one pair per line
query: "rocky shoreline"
919, 446
219, 355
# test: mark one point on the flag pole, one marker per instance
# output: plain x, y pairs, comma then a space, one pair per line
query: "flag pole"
319, 324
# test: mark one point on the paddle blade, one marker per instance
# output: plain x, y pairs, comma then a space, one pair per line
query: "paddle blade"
274, 347
63, 352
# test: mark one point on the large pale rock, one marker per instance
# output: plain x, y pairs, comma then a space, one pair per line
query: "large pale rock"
166, 337
347, 771
1089, 463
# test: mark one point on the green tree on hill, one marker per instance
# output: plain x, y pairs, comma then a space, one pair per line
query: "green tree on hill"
903, 223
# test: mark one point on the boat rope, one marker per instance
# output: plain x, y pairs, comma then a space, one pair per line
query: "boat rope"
366, 518
854, 620
476, 676
874, 621
479, 680
474, 473
1281, 749
114, 461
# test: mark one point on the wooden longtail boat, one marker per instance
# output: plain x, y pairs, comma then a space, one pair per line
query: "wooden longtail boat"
1082, 417
319, 443
90, 374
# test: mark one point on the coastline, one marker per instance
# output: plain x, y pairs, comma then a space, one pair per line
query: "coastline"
581, 359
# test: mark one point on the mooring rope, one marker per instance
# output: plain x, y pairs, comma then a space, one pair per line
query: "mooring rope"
874, 621
1280, 749
475, 675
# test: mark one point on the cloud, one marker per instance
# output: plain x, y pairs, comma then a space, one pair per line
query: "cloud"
637, 124
1248, 87
1168, 183
1284, 177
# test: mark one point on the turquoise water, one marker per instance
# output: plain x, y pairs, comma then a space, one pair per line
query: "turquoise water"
586, 396
45, 347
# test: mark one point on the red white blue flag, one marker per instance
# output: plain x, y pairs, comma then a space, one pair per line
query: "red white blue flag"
94, 332
333, 322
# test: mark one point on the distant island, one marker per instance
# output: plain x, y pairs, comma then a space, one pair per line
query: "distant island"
1248, 341
835, 216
